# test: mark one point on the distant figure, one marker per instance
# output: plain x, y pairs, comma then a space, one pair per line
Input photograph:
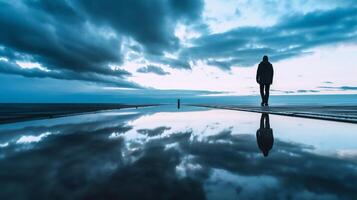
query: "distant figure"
264, 78
265, 138
178, 103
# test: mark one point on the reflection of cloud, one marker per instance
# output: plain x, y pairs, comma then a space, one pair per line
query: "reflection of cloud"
118, 133
82, 162
4, 144
153, 132
32, 138
316, 174
105, 123
347, 153
153, 175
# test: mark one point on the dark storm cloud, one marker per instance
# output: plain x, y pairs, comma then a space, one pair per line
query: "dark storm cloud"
151, 23
152, 69
186, 9
292, 36
81, 39
76, 37
57, 43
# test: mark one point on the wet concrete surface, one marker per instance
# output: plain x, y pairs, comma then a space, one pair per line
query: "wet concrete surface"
165, 153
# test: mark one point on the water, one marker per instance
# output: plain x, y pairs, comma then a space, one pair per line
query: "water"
165, 153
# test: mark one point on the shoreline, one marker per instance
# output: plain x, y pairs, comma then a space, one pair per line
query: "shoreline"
13, 113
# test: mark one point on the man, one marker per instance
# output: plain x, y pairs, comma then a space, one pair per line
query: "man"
265, 138
265, 79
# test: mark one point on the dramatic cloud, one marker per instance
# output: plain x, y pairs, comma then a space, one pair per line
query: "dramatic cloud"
70, 38
293, 35
105, 42
151, 23
152, 69
63, 42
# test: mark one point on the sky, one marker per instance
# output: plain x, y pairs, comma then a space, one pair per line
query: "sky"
67, 49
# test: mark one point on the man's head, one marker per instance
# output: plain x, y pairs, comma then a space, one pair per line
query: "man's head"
265, 153
265, 58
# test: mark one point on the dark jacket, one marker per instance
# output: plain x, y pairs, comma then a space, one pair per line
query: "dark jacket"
265, 73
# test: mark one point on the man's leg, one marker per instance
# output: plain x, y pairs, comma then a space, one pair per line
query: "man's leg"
262, 121
267, 122
262, 93
267, 88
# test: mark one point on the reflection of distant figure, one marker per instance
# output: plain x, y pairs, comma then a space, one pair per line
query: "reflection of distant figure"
265, 138
264, 78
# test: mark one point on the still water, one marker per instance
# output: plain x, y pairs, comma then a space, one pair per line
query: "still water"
165, 153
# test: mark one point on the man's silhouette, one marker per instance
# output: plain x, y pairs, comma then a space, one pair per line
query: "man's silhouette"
265, 138
264, 78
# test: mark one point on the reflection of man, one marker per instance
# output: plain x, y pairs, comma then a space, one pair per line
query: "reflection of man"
265, 138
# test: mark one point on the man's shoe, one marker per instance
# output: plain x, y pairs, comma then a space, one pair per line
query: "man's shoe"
262, 104
266, 104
